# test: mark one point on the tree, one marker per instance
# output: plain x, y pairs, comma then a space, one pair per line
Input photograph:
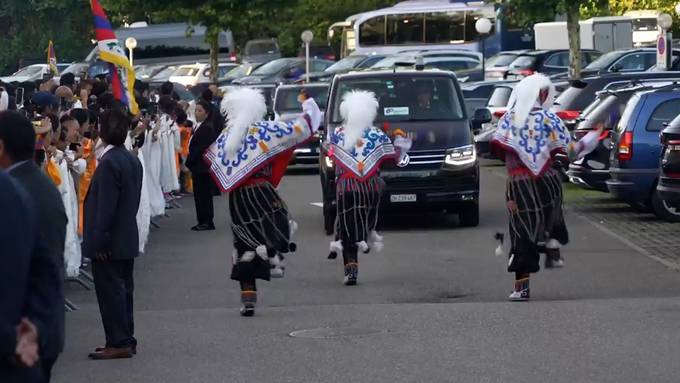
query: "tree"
27, 26
529, 12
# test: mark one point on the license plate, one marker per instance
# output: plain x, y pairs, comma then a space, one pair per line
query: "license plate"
403, 198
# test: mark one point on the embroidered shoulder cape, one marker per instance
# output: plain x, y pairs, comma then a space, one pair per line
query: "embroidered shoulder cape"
266, 142
365, 157
536, 141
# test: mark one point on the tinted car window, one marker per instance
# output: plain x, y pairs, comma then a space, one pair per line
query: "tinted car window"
665, 112
318, 66
568, 98
499, 97
635, 62
400, 98
558, 60
500, 60
627, 113
369, 62
523, 62
607, 112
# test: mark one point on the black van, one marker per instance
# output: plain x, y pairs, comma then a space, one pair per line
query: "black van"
442, 173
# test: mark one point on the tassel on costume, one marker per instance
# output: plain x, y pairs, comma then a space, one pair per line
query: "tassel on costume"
335, 249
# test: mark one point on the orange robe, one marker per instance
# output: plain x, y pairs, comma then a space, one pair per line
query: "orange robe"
53, 172
85, 179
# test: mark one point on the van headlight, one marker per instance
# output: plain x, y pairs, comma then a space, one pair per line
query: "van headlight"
463, 155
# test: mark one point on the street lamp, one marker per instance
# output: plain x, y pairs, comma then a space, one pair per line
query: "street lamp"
307, 36
131, 44
483, 27
665, 21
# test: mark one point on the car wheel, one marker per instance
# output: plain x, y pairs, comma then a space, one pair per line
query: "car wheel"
469, 216
664, 210
329, 218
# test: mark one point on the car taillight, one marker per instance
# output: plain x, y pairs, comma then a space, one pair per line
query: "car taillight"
626, 147
232, 57
525, 72
568, 114
674, 145
499, 113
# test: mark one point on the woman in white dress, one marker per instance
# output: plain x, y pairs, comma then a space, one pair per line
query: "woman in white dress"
152, 155
134, 143
169, 136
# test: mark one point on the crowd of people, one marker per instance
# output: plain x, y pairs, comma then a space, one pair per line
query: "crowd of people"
83, 181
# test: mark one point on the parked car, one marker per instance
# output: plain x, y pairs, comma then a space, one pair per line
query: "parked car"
629, 60
261, 51
79, 70
146, 72
163, 75
466, 64
546, 61
240, 71
345, 65
497, 104
443, 171
321, 51
636, 151
282, 71
570, 103
498, 65
669, 181
194, 74
287, 107
32, 73
592, 171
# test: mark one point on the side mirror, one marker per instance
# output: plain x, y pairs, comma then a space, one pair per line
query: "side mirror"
482, 116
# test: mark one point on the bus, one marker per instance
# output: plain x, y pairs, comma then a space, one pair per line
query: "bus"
413, 24
159, 43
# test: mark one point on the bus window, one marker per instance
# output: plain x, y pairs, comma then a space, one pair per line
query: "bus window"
373, 31
444, 28
405, 29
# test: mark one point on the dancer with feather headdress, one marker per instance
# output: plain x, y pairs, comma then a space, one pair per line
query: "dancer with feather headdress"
529, 136
359, 148
248, 161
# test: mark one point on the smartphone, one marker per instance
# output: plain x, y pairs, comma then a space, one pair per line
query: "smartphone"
19, 96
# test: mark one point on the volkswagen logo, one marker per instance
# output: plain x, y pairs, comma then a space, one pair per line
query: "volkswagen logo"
404, 161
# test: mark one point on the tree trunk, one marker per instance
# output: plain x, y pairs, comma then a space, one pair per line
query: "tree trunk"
574, 33
214, 42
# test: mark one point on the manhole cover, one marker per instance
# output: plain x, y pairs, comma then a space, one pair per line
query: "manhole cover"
330, 333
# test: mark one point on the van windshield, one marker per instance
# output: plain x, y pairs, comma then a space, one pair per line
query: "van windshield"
404, 98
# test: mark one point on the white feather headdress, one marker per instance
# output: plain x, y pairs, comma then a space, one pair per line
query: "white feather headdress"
358, 111
243, 107
525, 97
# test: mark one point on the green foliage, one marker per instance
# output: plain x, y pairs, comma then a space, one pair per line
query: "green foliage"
26, 26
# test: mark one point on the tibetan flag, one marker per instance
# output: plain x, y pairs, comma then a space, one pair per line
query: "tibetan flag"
52, 59
110, 51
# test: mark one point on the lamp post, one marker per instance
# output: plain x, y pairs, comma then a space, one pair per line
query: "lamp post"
131, 44
307, 36
663, 42
483, 27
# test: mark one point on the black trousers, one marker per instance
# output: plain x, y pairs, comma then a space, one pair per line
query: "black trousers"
204, 190
114, 284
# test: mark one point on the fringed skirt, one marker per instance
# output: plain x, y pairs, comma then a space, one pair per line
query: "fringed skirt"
259, 217
357, 207
538, 218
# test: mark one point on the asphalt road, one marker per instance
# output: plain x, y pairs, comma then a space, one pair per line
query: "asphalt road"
431, 308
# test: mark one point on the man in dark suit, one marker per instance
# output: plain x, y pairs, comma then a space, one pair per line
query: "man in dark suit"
19, 255
204, 186
110, 234
16, 156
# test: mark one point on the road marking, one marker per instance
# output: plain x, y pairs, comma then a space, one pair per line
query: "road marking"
317, 204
